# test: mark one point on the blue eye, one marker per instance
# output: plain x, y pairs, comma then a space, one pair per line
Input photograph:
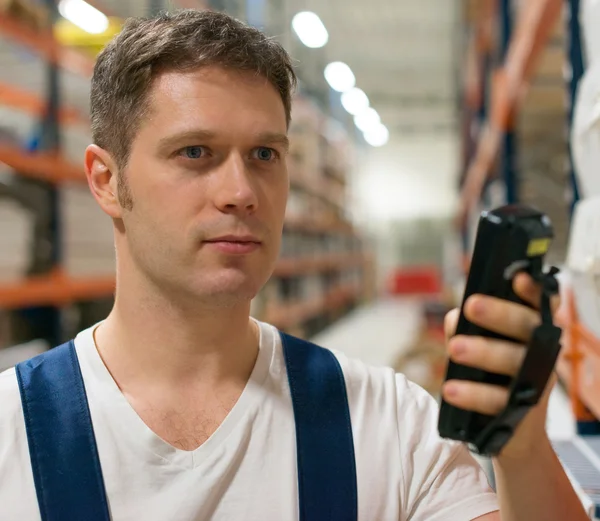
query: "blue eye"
193, 152
265, 154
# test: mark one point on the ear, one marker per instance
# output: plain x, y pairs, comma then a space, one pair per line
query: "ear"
101, 172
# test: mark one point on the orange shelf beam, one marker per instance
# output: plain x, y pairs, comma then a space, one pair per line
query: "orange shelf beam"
32, 104
535, 24
57, 289
307, 224
579, 362
288, 315
41, 165
337, 262
44, 45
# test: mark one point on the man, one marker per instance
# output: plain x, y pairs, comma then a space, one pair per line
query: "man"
188, 395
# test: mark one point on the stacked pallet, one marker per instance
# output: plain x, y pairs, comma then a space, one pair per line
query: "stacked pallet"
87, 234
16, 235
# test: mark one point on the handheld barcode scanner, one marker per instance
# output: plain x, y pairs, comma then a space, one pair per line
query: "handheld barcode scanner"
509, 239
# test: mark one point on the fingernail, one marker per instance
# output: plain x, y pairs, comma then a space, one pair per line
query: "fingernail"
458, 347
478, 306
450, 390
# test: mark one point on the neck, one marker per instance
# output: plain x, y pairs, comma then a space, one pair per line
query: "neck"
150, 337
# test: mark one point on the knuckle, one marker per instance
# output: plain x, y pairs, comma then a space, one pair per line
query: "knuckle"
496, 399
497, 356
525, 320
518, 355
490, 400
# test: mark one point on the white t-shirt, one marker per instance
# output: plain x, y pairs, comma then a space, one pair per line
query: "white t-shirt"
247, 469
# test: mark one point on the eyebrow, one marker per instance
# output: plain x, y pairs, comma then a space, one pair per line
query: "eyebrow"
169, 142
274, 138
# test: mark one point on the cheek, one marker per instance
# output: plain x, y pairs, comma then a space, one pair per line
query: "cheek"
163, 197
276, 192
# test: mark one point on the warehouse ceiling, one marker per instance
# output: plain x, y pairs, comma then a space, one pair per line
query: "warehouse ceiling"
403, 54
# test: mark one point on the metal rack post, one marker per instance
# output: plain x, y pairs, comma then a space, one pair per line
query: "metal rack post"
573, 75
508, 153
46, 321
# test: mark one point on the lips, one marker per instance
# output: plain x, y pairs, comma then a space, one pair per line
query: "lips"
241, 239
235, 244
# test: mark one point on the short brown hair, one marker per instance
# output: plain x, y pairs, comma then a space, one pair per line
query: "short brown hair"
183, 40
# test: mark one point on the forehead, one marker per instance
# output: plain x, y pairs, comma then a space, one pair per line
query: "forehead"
216, 99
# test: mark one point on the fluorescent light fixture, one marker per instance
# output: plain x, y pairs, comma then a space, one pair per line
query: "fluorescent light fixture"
355, 101
367, 120
339, 76
83, 15
378, 136
310, 29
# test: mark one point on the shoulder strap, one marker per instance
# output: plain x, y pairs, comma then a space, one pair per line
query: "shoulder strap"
325, 447
62, 447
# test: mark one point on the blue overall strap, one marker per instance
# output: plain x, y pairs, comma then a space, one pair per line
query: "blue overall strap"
325, 447
62, 447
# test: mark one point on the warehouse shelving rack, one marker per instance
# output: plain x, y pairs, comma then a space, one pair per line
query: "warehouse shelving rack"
55, 289
522, 38
522, 49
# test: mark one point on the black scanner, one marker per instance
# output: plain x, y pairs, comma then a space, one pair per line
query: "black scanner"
510, 239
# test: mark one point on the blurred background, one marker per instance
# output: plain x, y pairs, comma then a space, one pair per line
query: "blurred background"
411, 118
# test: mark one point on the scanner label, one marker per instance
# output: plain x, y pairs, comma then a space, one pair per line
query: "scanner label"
538, 247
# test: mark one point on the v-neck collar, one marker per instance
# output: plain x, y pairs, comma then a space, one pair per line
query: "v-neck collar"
101, 387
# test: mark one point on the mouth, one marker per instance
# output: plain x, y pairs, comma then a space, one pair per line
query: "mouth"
235, 244
241, 239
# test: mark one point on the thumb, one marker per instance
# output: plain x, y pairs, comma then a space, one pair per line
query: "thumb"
450, 323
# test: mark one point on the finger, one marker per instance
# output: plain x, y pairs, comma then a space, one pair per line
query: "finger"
495, 356
531, 291
502, 316
450, 323
476, 397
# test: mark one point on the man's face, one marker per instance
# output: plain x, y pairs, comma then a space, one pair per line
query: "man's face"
208, 181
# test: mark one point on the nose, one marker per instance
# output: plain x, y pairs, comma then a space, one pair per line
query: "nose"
235, 191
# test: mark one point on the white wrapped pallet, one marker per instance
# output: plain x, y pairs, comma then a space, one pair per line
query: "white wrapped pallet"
590, 22
87, 235
583, 262
16, 235
585, 135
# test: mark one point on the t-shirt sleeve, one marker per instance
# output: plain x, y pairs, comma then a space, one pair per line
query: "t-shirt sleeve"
441, 479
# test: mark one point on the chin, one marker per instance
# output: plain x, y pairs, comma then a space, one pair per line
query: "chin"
227, 289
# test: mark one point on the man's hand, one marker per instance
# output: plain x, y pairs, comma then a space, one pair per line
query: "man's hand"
497, 356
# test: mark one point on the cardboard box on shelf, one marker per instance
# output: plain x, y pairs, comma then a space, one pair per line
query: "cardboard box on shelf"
304, 155
424, 363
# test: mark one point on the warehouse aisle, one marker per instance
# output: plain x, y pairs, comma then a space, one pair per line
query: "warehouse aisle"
377, 333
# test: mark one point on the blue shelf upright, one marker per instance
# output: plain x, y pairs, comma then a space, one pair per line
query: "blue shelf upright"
508, 157
573, 75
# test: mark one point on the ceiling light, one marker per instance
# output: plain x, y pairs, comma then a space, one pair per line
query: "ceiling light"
378, 136
367, 120
339, 76
83, 15
355, 101
310, 29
